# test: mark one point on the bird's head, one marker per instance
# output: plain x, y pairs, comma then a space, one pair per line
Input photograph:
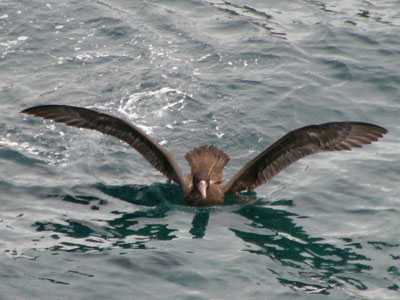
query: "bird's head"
201, 182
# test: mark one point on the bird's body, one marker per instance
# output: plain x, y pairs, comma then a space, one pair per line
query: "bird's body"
205, 185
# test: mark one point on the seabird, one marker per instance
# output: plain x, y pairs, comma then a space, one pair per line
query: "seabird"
204, 185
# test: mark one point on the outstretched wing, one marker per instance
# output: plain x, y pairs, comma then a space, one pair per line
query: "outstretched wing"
335, 136
159, 157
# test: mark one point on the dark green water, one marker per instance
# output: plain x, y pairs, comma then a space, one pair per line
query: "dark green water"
83, 216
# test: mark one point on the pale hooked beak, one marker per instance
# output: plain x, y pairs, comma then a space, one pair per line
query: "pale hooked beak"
202, 186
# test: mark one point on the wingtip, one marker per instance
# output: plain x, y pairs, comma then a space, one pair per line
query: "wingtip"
370, 129
380, 129
25, 111
31, 110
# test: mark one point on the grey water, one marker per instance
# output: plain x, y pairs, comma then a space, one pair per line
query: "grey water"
84, 216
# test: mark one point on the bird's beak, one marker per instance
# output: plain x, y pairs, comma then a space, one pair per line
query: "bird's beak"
202, 186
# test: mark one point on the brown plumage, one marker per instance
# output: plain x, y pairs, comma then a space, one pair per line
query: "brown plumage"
204, 185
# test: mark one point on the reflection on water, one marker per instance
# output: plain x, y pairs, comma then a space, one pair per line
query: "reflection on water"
272, 232
311, 257
233, 73
199, 223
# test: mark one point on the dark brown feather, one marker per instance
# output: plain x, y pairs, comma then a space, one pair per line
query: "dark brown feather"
335, 136
158, 156
208, 159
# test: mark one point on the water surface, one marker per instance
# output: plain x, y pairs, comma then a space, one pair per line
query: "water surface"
83, 216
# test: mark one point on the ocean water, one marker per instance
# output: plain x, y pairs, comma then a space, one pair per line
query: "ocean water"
84, 216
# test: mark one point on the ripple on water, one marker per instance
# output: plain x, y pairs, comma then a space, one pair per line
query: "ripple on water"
81, 210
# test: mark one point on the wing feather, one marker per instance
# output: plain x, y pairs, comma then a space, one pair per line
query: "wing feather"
335, 136
158, 156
